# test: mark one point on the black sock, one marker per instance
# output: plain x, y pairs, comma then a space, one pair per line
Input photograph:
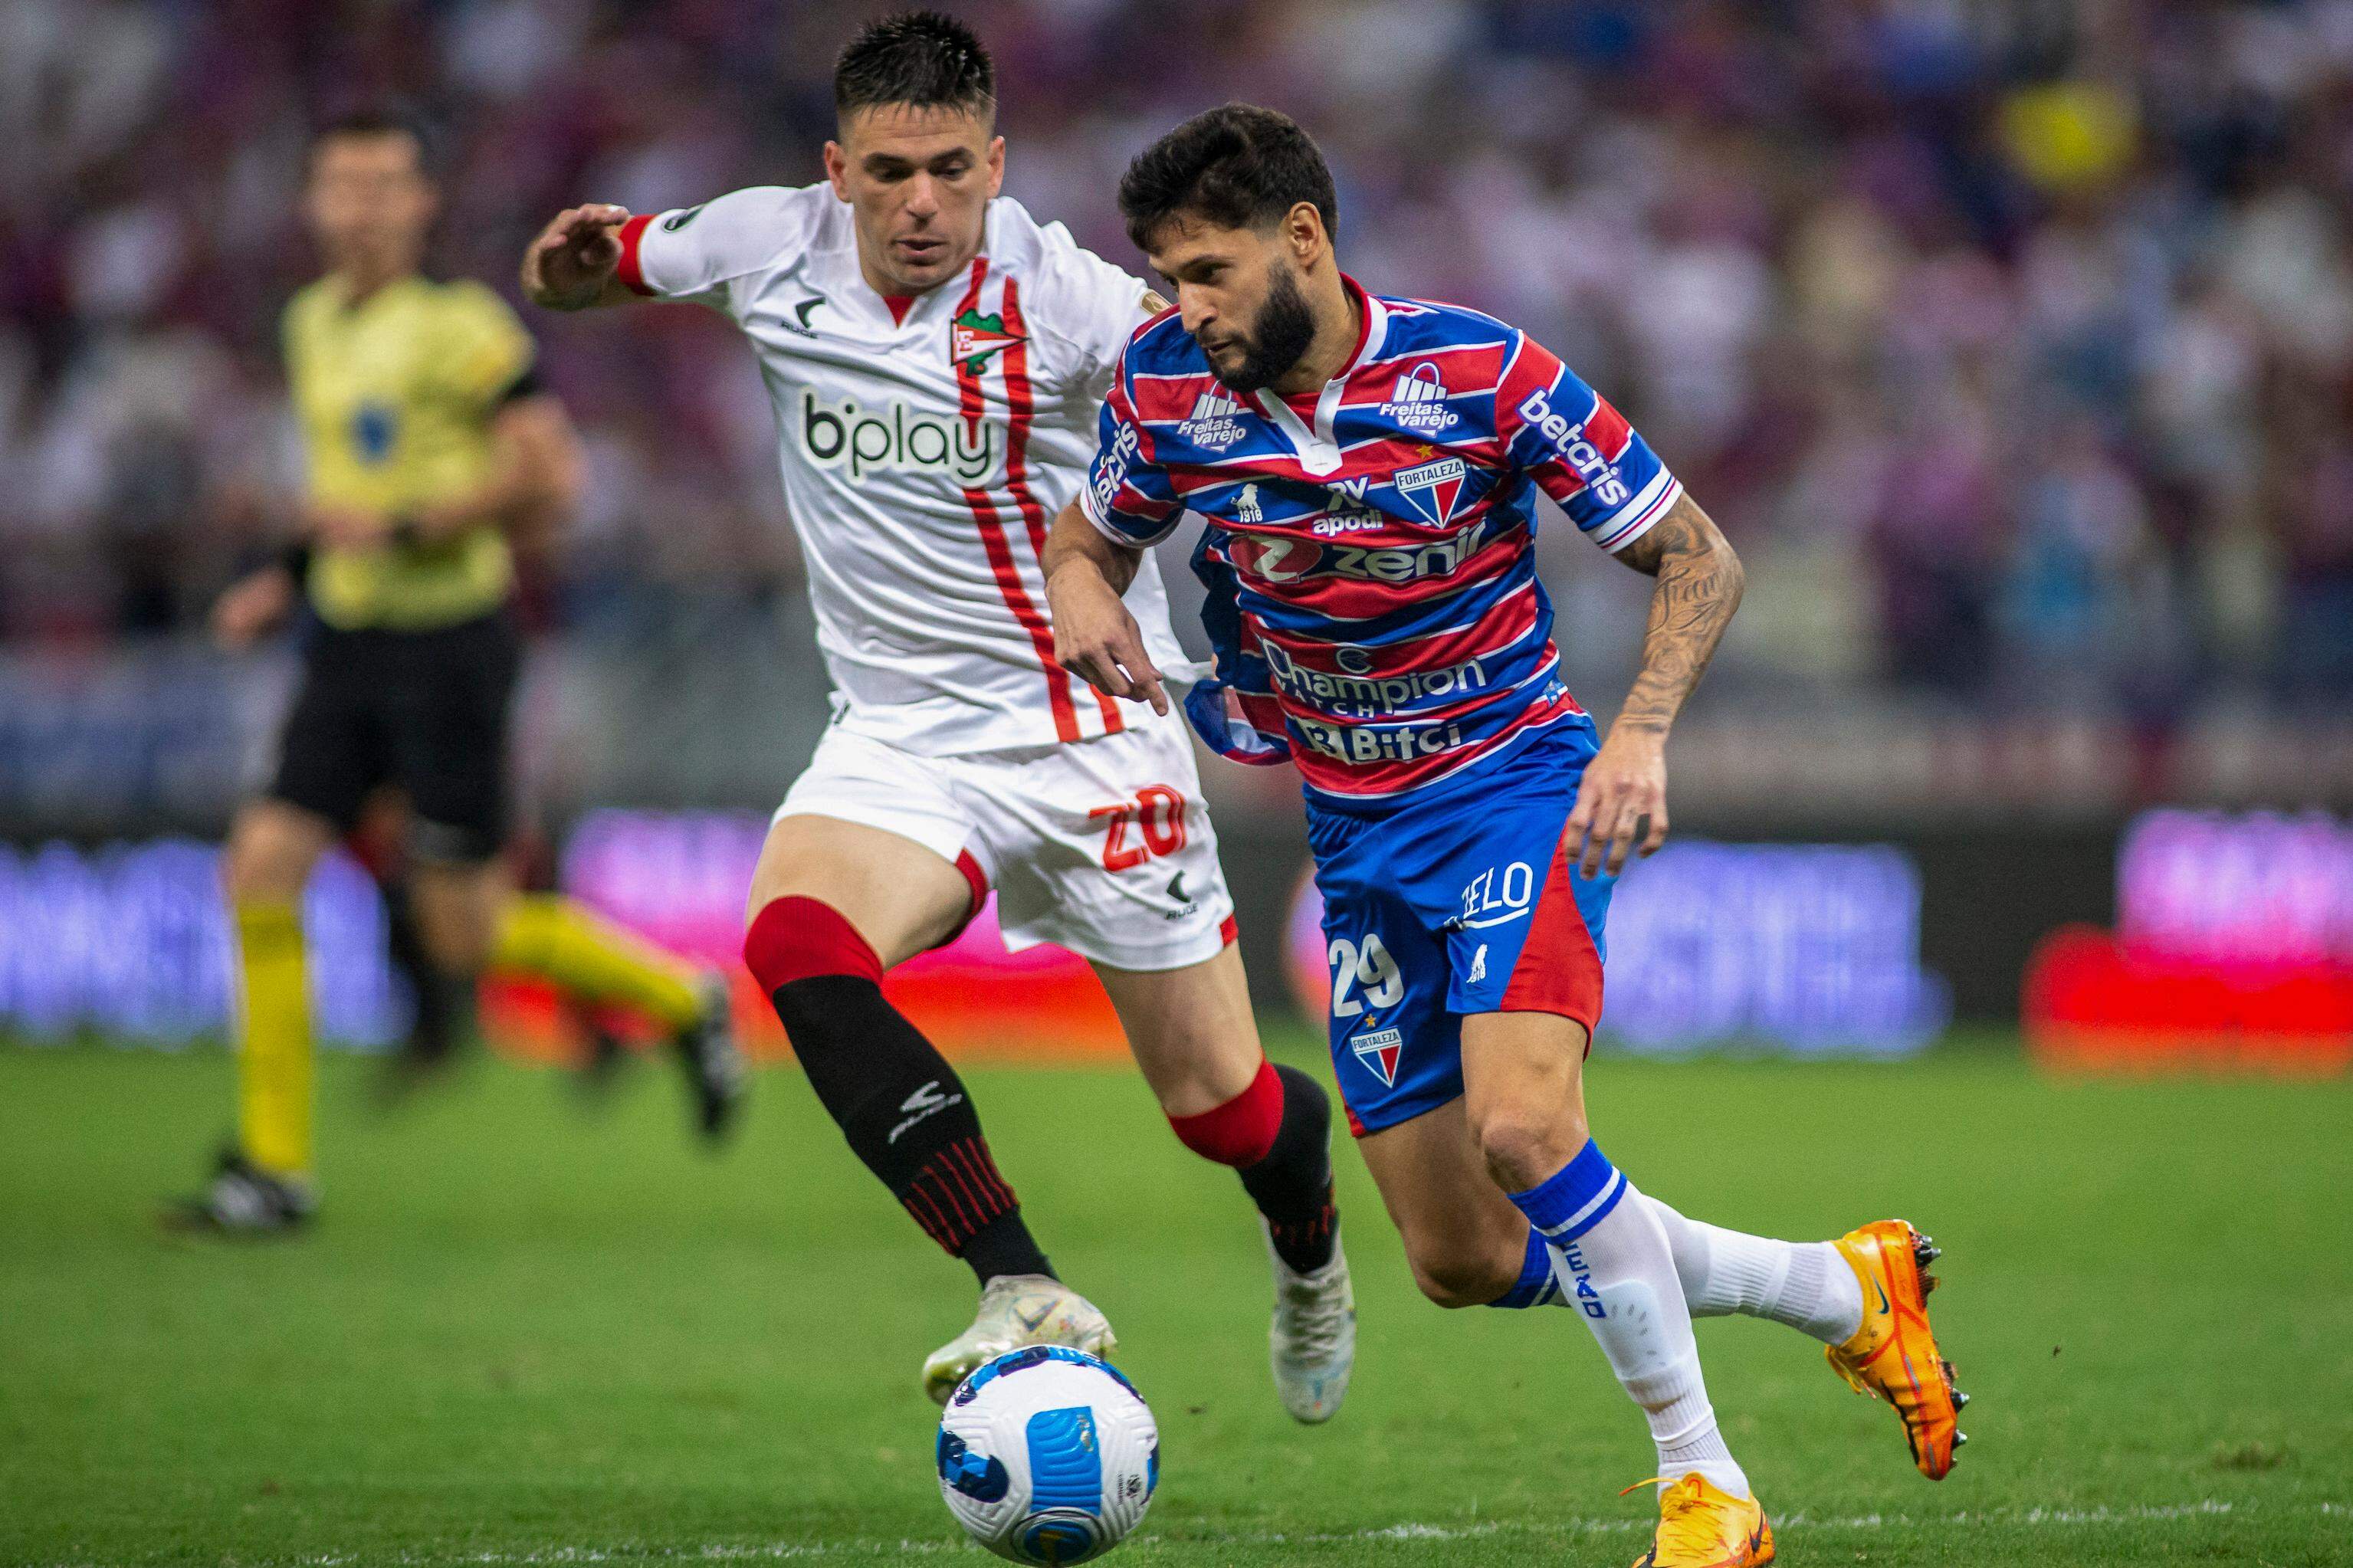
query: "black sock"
444, 1005
907, 1116
1292, 1184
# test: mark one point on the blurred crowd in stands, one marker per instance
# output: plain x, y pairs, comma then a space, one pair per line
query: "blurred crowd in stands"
2011, 342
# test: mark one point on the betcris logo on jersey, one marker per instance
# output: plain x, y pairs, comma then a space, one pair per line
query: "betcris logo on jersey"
1581, 454
1111, 467
896, 439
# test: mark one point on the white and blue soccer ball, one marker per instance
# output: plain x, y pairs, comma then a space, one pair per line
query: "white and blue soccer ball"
1048, 1456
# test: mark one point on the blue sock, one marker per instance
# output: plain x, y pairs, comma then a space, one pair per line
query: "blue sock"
1575, 1198
1536, 1285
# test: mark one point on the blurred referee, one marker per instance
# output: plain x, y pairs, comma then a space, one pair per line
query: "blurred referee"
427, 440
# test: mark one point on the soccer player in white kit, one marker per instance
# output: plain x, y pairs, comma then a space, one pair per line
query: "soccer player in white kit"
936, 358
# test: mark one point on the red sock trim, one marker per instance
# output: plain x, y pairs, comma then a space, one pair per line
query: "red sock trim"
957, 1193
1293, 1238
1243, 1129
795, 938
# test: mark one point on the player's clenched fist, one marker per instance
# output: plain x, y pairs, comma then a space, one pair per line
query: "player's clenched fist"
570, 266
1620, 802
1095, 638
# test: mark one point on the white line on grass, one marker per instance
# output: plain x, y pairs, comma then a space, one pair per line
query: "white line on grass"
792, 1551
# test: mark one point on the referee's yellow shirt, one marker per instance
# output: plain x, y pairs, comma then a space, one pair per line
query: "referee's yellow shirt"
396, 395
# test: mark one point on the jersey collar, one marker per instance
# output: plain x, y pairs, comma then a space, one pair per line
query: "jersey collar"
1318, 450
349, 309
847, 283
837, 276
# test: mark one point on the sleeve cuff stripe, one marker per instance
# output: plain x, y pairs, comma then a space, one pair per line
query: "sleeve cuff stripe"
630, 270
1640, 514
1093, 514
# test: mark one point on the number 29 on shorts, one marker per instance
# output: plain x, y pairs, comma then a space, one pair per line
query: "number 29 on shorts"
1365, 964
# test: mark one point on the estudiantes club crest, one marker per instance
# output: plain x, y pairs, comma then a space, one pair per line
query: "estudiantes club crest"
973, 338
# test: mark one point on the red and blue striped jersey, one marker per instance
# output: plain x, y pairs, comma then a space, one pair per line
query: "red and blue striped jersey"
1369, 552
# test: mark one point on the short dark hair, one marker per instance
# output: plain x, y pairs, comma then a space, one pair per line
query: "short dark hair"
379, 119
1240, 166
921, 58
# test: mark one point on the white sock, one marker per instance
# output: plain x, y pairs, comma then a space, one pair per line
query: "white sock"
1611, 1257
1805, 1284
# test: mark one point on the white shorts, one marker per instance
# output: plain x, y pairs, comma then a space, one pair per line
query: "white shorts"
1100, 846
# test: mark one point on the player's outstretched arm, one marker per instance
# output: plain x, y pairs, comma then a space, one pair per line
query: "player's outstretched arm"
572, 264
1623, 798
1093, 634
533, 484
252, 605
537, 454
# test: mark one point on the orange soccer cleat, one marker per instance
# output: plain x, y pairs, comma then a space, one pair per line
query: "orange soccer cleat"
1701, 1527
1893, 1355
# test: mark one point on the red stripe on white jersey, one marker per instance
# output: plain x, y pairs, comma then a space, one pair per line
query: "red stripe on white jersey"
1001, 566
970, 402
1021, 404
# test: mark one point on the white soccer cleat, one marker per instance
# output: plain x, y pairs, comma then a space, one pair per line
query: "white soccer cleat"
1313, 1341
1018, 1309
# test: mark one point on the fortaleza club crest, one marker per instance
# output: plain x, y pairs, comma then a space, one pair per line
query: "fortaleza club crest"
1379, 1050
1432, 489
972, 337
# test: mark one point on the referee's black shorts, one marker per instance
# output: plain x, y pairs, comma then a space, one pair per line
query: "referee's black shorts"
425, 711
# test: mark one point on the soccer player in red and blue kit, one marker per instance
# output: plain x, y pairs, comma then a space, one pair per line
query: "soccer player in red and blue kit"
1367, 467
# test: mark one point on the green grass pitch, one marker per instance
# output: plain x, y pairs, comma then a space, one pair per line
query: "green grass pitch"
526, 1332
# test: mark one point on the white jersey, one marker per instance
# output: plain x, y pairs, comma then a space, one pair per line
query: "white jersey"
926, 446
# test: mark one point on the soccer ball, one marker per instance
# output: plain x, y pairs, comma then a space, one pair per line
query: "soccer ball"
1048, 1456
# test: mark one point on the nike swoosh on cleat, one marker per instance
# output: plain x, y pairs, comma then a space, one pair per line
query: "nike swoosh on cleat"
1029, 1322
1885, 1305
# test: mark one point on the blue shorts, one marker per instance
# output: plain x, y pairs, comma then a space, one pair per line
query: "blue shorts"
1461, 902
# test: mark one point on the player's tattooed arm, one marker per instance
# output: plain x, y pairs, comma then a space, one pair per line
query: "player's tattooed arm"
1094, 636
1623, 803
1700, 581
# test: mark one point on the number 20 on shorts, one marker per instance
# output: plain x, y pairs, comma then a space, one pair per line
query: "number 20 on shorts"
1157, 816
